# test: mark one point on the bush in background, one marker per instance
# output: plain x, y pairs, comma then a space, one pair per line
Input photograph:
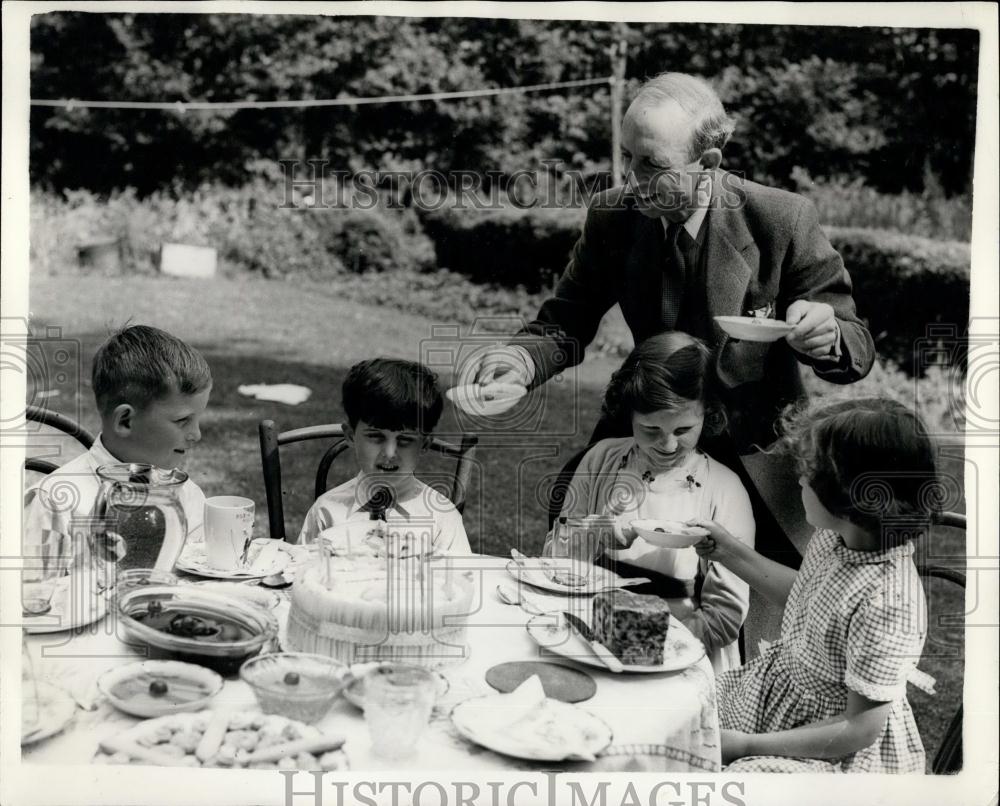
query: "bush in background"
507, 246
938, 397
852, 203
845, 101
246, 225
902, 283
494, 262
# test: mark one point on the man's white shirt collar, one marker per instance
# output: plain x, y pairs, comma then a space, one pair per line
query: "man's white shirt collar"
703, 197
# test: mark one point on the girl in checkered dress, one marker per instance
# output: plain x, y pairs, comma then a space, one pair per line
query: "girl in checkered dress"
830, 693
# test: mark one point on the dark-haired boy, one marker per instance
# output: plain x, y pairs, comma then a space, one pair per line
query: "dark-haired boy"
151, 391
392, 407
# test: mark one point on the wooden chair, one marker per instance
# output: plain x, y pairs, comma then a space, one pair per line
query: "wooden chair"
271, 441
61, 423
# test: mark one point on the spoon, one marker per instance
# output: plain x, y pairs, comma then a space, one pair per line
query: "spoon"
511, 596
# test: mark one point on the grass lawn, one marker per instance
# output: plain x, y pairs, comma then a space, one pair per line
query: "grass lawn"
260, 331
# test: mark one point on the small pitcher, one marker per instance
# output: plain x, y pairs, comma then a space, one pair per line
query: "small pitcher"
141, 522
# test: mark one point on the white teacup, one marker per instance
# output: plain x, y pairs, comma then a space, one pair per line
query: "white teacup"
228, 528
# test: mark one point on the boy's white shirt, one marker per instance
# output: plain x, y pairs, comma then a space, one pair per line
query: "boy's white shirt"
70, 491
342, 504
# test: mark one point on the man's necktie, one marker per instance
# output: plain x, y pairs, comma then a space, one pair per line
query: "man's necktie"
674, 273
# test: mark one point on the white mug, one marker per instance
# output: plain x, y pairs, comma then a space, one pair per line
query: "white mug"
228, 529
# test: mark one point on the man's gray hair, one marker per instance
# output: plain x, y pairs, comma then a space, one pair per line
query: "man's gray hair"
711, 126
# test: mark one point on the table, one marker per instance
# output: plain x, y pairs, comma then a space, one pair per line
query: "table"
661, 722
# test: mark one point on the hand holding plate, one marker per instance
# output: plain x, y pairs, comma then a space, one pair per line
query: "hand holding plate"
719, 545
501, 364
816, 330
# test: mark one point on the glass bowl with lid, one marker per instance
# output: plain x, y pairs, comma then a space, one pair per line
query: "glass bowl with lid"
184, 623
297, 685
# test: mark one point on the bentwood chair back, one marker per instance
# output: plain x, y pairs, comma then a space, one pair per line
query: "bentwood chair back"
272, 441
59, 422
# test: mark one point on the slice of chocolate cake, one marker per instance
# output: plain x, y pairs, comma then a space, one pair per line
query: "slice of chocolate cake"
632, 626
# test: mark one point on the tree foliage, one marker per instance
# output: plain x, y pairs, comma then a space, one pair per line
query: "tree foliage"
891, 105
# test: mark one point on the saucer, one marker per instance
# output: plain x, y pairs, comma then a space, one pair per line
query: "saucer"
751, 328
74, 604
194, 560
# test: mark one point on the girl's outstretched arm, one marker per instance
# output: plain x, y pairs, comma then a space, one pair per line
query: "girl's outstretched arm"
859, 726
772, 580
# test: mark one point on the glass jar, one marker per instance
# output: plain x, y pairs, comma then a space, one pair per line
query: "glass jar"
47, 559
576, 543
399, 699
141, 522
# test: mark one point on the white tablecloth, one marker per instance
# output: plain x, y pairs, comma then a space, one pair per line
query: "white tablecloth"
661, 722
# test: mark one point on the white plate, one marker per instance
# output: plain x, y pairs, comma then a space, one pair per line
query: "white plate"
166, 668
487, 400
468, 721
248, 590
668, 534
75, 604
601, 579
57, 709
752, 328
194, 560
550, 632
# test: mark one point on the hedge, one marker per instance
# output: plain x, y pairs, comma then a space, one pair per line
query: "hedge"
247, 226
507, 245
902, 283
489, 262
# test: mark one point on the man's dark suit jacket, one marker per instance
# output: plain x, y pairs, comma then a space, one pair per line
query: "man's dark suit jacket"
763, 248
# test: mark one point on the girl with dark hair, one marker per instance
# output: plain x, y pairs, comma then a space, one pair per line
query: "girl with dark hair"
830, 693
659, 472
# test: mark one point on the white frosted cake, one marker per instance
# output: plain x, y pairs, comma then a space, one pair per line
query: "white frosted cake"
373, 607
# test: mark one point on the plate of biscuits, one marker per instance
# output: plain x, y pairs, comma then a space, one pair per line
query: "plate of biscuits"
225, 739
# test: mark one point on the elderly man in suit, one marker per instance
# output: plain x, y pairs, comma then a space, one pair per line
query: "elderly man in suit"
683, 242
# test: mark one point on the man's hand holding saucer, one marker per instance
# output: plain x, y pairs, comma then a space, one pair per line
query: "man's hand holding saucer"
816, 334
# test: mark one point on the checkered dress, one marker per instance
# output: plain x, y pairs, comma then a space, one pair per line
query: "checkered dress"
854, 620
